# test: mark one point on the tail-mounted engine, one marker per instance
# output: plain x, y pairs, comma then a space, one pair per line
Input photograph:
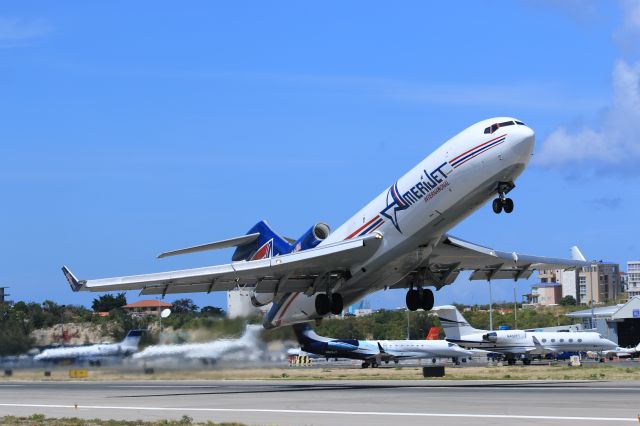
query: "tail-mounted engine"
312, 237
490, 337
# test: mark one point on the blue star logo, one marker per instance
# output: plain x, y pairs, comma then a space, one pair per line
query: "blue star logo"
397, 204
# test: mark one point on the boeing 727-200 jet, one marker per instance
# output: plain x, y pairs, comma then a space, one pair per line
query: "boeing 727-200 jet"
398, 240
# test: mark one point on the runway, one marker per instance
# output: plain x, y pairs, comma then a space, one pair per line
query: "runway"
333, 402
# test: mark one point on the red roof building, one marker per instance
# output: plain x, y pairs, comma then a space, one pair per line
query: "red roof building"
146, 307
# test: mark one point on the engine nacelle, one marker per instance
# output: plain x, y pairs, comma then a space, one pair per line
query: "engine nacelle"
312, 237
490, 337
261, 299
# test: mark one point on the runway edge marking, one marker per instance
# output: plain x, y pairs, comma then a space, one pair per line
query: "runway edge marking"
349, 413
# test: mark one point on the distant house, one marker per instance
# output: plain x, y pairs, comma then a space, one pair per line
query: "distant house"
548, 293
146, 307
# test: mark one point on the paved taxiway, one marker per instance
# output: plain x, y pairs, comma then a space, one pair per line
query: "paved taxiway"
333, 402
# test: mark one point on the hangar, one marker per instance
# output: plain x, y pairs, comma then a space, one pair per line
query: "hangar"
619, 323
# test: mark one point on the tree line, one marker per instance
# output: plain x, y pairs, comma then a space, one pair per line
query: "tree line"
17, 321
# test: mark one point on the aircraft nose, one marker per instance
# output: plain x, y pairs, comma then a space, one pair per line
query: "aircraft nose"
523, 142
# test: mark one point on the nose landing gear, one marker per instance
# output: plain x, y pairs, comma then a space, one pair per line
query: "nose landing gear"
503, 203
417, 299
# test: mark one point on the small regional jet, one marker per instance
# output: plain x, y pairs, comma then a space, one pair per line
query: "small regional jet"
93, 354
398, 240
515, 344
374, 352
207, 353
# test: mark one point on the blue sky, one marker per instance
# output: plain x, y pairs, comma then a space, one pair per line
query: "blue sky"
131, 128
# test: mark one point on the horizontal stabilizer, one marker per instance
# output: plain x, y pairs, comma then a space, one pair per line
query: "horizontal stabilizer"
231, 242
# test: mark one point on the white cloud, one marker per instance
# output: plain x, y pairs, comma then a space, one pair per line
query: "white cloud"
13, 30
614, 139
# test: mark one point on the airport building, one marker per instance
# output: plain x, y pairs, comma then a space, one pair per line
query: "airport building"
239, 305
619, 323
633, 278
3, 295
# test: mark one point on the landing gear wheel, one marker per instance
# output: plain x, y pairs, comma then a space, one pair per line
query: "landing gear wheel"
337, 305
507, 205
323, 304
374, 365
426, 301
511, 361
413, 300
497, 206
365, 365
526, 361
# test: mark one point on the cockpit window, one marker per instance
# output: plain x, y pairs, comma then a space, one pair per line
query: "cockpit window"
491, 129
451, 345
520, 123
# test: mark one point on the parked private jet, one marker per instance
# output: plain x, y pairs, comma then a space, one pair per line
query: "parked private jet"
516, 344
93, 354
398, 240
374, 352
208, 352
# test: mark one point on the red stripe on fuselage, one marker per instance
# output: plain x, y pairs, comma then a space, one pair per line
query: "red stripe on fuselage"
362, 227
286, 306
475, 147
474, 156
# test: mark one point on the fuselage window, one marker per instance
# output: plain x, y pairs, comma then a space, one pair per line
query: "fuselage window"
544, 340
570, 340
561, 340
553, 340
579, 340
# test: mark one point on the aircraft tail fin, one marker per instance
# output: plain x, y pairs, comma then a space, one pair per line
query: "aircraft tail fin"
305, 334
434, 333
267, 244
453, 323
132, 339
576, 254
72, 280
251, 332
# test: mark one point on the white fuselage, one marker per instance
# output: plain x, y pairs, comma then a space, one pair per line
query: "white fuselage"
527, 342
98, 351
413, 214
415, 349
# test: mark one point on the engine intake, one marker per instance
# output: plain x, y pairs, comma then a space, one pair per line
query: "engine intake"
312, 237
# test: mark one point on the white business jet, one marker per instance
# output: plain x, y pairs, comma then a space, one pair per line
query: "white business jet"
515, 344
93, 354
398, 240
206, 352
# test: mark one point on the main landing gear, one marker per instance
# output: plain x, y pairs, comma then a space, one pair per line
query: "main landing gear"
417, 299
503, 203
326, 303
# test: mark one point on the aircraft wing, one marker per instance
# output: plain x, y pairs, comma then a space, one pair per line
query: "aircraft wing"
453, 255
285, 273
